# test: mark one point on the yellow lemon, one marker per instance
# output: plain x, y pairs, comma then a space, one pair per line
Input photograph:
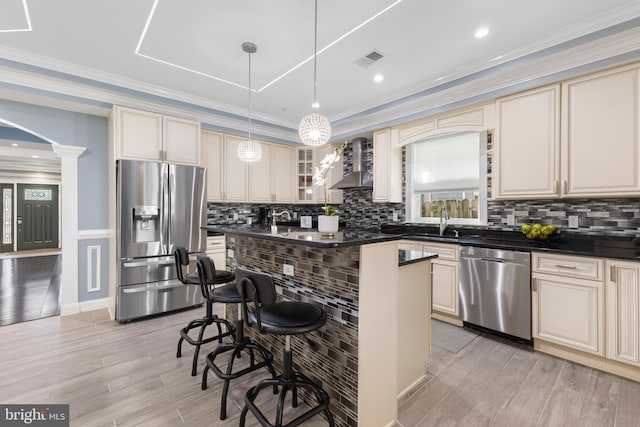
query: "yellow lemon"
526, 228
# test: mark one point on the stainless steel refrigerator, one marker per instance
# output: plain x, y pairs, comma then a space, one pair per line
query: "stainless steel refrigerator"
159, 206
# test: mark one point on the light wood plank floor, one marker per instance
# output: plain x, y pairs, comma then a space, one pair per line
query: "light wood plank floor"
128, 375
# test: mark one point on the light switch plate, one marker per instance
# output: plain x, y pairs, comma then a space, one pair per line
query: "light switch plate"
511, 220
235, 216
287, 269
395, 216
573, 221
230, 253
305, 221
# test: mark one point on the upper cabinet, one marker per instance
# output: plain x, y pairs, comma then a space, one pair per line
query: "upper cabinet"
271, 176
212, 155
526, 144
387, 169
308, 160
600, 147
143, 135
597, 118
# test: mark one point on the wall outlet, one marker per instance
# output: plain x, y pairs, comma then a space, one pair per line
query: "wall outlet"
287, 269
249, 221
230, 253
235, 216
573, 221
295, 215
511, 220
395, 216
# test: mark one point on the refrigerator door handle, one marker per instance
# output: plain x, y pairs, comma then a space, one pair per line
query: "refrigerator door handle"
165, 220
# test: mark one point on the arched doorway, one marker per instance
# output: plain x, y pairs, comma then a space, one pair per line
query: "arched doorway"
69, 217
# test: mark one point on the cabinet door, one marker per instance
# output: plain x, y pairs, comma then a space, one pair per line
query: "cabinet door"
600, 147
181, 141
138, 134
387, 169
260, 176
569, 312
445, 286
283, 173
304, 176
623, 311
527, 145
212, 155
236, 171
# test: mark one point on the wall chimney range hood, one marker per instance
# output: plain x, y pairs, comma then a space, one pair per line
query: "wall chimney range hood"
359, 178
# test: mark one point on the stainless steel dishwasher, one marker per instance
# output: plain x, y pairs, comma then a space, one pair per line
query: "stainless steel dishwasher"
495, 290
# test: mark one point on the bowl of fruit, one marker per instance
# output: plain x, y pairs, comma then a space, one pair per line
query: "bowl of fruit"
538, 231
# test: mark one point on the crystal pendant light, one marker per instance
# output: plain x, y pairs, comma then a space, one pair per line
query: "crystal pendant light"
249, 150
315, 129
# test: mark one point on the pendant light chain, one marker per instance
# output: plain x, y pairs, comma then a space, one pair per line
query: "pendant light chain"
249, 150
315, 58
250, 106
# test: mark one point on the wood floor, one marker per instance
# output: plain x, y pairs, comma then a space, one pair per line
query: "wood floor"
128, 375
29, 286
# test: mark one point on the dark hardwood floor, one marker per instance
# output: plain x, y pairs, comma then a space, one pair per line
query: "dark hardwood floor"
29, 287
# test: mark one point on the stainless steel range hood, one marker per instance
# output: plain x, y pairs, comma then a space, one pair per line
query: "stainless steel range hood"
359, 178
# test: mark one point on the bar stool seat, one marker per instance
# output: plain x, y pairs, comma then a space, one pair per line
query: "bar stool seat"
280, 318
207, 288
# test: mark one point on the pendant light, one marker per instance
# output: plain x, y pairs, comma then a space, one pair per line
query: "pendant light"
315, 129
249, 150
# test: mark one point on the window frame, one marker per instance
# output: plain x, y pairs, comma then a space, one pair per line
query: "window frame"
412, 206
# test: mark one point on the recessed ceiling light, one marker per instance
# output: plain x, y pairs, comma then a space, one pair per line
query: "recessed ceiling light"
14, 145
34, 156
481, 32
378, 78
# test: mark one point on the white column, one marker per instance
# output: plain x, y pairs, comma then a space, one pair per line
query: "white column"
69, 233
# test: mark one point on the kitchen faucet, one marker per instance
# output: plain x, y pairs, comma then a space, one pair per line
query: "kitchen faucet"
444, 217
274, 227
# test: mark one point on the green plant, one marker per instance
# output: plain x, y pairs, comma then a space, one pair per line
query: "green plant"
320, 176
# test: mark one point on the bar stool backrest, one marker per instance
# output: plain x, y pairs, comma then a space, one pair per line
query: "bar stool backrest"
206, 273
257, 288
182, 259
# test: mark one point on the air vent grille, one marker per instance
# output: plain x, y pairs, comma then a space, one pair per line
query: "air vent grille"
369, 59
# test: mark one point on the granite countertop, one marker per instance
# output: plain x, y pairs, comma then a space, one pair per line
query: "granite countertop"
409, 257
620, 247
306, 236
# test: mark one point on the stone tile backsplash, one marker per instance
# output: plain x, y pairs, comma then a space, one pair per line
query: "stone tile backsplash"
620, 216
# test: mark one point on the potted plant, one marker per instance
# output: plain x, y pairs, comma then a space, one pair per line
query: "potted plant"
327, 223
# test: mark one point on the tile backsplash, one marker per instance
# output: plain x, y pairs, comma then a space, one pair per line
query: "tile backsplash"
620, 216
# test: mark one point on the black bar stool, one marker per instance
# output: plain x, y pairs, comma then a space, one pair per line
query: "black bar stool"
220, 277
280, 318
230, 295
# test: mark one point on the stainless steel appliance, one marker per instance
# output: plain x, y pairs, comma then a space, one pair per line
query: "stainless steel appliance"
495, 290
159, 205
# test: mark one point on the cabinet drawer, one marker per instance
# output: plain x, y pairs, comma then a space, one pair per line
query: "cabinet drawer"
215, 244
444, 251
569, 266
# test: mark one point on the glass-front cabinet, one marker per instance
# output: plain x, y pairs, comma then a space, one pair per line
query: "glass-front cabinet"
305, 175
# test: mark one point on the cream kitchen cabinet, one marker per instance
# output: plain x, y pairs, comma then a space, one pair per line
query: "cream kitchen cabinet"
387, 169
308, 160
143, 135
568, 302
623, 311
304, 176
236, 171
212, 154
444, 272
216, 250
598, 151
526, 145
600, 134
271, 176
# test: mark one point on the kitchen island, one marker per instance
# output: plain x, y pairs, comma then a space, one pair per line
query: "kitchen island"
374, 347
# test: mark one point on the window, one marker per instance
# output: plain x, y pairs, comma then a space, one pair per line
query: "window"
448, 172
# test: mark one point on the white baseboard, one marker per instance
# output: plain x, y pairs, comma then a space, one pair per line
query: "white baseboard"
96, 304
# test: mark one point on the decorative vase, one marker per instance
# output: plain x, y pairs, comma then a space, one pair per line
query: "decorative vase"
328, 224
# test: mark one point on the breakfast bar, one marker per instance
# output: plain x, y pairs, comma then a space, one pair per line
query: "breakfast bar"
373, 349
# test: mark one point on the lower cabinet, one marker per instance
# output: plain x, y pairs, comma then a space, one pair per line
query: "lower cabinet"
444, 277
623, 311
216, 250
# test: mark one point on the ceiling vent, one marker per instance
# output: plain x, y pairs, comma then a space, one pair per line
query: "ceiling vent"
369, 59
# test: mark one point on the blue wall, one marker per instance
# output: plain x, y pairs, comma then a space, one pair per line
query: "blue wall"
76, 129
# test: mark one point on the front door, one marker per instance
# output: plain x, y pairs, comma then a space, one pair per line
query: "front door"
6, 206
37, 218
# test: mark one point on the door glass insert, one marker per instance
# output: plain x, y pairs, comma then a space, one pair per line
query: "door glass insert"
37, 194
7, 199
